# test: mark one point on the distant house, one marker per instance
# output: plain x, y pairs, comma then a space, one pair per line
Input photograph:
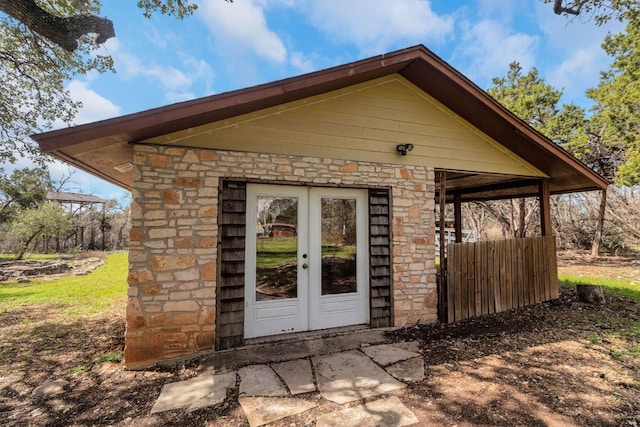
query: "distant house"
391, 136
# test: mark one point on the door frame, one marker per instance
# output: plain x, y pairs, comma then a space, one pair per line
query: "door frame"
310, 310
230, 280
330, 311
290, 310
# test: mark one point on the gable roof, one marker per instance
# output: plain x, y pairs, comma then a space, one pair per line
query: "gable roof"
65, 197
102, 146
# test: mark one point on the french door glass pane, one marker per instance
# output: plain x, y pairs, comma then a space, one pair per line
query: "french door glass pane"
276, 248
338, 246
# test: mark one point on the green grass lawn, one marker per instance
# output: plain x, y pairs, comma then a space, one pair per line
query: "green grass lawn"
272, 253
76, 296
620, 335
621, 287
39, 257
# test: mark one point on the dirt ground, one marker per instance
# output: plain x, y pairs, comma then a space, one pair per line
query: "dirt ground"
557, 363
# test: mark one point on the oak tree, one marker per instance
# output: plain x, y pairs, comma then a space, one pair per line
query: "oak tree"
43, 44
47, 219
600, 11
535, 102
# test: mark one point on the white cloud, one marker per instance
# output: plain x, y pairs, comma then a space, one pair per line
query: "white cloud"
577, 41
241, 26
375, 25
576, 73
488, 47
503, 11
94, 106
175, 82
302, 62
132, 66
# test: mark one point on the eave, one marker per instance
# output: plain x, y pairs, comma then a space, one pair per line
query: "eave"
99, 147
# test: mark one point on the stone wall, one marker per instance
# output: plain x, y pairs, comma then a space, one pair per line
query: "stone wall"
172, 259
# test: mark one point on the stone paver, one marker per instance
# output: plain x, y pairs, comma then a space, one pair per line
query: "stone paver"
413, 346
387, 355
339, 377
389, 412
297, 375
348, 376
408, 371
222, 384
260, 380
50, 388
209, 389
263, 410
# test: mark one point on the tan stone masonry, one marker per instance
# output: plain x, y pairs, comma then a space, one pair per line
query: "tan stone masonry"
172, 260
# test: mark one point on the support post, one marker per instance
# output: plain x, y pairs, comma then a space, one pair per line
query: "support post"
442, 285
457, 216
545, 208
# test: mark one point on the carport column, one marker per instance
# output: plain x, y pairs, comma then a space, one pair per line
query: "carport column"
442, 282
457, 216
545, 209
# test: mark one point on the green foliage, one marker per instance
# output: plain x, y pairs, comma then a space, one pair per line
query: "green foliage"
77, 296
536, 103
177, 8
617, 109
24, 189
47, 219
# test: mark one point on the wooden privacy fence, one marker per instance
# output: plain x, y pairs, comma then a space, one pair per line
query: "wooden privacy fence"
490, 277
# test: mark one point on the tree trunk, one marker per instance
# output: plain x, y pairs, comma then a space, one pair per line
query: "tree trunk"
597, 238
62, 31
24, 247
119, 239
522, 220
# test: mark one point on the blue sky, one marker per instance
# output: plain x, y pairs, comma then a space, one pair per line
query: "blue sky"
226, 46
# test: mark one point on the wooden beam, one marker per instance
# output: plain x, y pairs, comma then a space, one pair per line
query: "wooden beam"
545, 208
515, 183
457, 215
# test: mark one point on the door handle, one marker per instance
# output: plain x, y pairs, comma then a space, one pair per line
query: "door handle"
305, 265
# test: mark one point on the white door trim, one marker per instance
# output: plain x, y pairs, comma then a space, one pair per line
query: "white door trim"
277, 316
329, 311
310, 310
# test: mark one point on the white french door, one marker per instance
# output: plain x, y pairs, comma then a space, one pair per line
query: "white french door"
306, 259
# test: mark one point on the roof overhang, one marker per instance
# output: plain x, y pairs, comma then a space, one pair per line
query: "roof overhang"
104, 148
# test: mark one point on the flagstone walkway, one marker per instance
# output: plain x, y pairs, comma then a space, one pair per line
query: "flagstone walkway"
266, 390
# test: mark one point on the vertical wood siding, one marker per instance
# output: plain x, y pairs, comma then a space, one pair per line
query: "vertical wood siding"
231, 247
490, 277
380, 258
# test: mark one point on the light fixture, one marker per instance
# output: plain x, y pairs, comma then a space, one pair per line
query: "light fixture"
124, 168
404, 148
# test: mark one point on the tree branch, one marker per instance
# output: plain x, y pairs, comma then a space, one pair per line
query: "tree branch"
64, 32
559, 9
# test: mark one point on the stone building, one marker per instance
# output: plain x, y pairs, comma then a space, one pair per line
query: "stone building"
351, 160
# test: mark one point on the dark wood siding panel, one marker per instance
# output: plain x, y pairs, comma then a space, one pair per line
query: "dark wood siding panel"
381, 302
231, 248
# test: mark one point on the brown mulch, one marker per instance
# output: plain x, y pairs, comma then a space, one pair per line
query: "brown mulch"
557, 363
